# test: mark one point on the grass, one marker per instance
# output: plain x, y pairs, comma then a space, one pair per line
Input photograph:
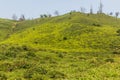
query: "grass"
74, 46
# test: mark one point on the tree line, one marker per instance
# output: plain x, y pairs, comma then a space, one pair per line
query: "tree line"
56, 13
100, 10
22, 17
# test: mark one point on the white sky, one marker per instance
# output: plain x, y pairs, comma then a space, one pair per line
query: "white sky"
33, 8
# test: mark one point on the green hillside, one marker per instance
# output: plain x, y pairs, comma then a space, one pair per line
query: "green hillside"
5, 28
74, 46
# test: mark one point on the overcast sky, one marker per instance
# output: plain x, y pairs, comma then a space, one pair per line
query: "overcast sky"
33, 8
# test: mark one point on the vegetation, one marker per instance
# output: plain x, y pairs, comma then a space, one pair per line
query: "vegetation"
74, 46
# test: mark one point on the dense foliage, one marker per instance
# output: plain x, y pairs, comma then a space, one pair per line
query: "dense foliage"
74, 46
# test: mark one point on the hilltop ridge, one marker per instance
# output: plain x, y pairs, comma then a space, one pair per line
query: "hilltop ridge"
75, 31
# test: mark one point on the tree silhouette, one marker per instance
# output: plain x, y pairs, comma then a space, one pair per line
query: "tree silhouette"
56, 13
91, 10
117, 14
22, 18
100, 8
111, 13
14, 17
82, 10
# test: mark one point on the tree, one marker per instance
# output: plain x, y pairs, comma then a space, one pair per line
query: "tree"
100, 8
14, 17
41, 16
82, 10
22, 18
118, 32
56, 13
117, 14
45, 16
91, 10
111, 13
49, 15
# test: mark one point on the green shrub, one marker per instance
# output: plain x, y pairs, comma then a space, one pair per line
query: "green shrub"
33, 28
28, 74
3, 57
96, 24
18, 78
40, 77
116, 52
7, 67
64, 38
10, 53
56, 75
118, 32
3, 76
109, 60
41, 70
22, 64
61, 55
30, 54
25, 48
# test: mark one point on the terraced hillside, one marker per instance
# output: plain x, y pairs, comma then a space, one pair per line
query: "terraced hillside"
74, 46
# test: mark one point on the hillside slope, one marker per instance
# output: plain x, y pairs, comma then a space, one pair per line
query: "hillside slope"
73, 46
5, 28
76, 32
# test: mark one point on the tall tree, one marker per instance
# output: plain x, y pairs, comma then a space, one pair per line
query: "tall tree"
100, 7
82, 10
91, 10
45, 16
56, 13
14, 17
111, 13
117, 14
22, 18
49, 15
41, 16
